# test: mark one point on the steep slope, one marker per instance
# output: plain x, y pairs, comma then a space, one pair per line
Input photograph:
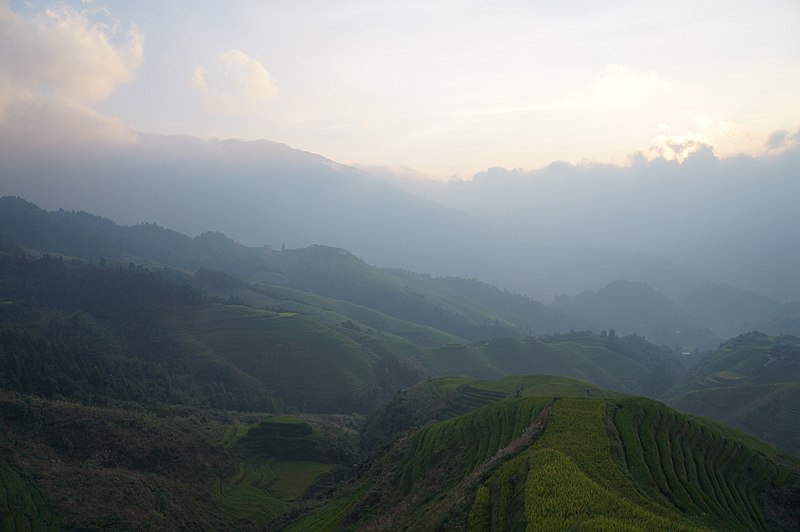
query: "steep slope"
751, 382
556, 463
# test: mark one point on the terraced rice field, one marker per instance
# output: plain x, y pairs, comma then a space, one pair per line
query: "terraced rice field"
700, 469
279, 351
550, 463
264, 488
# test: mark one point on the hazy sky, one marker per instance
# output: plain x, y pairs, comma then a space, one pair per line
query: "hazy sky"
447, 87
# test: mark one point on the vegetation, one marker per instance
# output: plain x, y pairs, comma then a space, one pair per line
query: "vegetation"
85, 467
751, 382
135, 394
21, 505
458, 307
102, 333
557, 463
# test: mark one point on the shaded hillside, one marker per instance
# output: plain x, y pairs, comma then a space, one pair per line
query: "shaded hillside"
108, 333
627, 364
788, 323
68, 466
728, 310
464, 308
630, 307
445, 397
554, 463
751, 382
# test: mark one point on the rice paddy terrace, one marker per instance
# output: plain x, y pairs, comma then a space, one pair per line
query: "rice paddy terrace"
560, 462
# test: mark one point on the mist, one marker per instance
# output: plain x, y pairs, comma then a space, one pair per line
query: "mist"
560, 229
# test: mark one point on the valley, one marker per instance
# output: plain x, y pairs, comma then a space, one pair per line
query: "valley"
221, 386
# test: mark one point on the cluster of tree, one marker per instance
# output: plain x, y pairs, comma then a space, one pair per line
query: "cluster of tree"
97, 333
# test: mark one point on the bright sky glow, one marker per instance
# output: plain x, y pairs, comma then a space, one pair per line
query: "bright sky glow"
449, 87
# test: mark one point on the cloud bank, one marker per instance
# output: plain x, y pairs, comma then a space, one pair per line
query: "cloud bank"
55, 63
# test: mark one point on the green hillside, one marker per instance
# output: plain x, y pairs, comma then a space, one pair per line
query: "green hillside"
446, 397
557, 463
101, 333
751, 382
69, 466
459, 307
329, 310
150, 380
627, 364
304, 363
106, 332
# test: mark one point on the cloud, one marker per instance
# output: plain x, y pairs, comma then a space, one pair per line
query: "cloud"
54, 63
63, 52
725, 137
54, 122
678, 147
621, 85
777, 139
240, 84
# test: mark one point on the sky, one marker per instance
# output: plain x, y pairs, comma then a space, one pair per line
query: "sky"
437, 89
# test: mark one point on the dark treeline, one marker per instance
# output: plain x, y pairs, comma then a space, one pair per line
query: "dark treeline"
95, 332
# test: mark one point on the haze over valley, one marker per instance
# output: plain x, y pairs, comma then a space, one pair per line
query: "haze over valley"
375, 266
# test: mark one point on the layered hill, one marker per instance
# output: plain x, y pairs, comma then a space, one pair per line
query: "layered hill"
107, 333
124, 333
698, 319
730, 311
461, 307
571, 460
266, 192
751, 382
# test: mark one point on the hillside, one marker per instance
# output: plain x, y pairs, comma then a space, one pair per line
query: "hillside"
126, 353
68, 466
751, 382
110, 333
630, 307
728, 310
103, 333
556, 462
460, 307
